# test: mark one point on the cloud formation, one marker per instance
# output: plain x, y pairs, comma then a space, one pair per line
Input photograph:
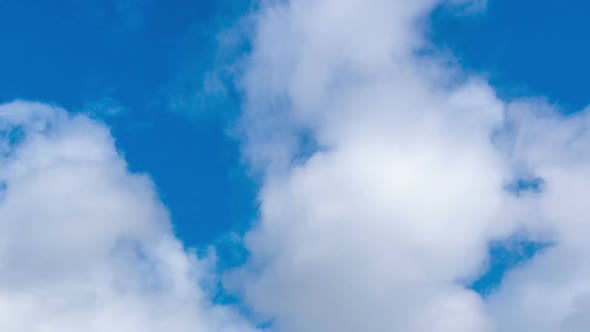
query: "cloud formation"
385, 175
84, 243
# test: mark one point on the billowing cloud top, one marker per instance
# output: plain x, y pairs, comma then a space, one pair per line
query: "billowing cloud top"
386, 174
84, 244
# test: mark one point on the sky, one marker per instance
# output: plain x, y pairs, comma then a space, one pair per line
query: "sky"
297, 165
143, 60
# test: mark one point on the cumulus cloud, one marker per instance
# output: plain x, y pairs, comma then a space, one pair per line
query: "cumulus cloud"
386, 174
551, 293
382, 223
84, 243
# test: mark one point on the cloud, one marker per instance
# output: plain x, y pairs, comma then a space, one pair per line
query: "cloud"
386, 174
84, 243
551, 293
381, 224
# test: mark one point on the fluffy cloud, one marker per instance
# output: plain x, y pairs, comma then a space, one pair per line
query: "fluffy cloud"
551, 293
84, 243
385, 177
385, 172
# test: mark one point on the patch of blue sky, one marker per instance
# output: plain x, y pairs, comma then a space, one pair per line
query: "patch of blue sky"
525, 48
505, 256
126, 62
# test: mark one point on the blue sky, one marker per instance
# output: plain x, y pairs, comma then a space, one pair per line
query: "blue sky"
139, 56
146, 67
524, 48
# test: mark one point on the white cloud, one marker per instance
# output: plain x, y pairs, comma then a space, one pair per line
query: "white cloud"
84, 243
379, 228
551, 293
